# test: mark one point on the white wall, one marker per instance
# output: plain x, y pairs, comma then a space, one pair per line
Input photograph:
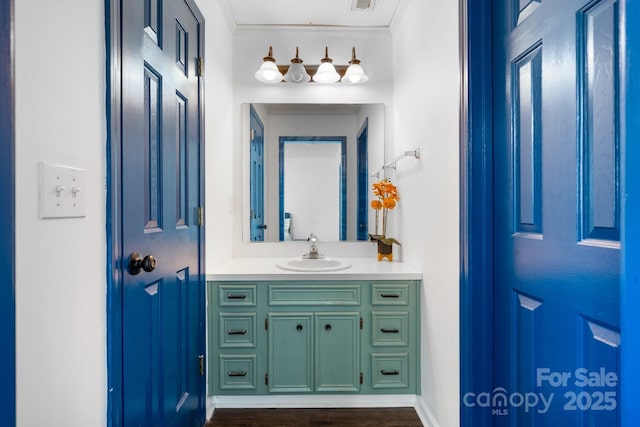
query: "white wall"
426, 107
60, 263
219, 136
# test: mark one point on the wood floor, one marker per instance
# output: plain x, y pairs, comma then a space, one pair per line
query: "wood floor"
343, 417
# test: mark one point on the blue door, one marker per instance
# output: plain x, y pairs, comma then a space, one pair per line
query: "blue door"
162, 279
362, 218
556, 213
7, 221
256, 158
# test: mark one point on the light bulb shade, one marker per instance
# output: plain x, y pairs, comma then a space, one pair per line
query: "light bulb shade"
269, 73
355, 74
297, 73
326, 73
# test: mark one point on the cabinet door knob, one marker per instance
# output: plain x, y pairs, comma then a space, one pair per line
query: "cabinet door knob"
299, 327
327, 327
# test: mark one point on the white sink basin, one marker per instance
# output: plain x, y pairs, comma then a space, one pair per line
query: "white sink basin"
319, 264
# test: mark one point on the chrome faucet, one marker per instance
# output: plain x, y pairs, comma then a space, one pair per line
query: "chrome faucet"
313, 249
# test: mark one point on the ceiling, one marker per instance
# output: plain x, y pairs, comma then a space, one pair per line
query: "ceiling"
336, 13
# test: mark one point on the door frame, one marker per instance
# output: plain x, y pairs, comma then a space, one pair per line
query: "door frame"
476, 213
254, 118
7, 218
630, 239
362, 176
476, 248
115, 260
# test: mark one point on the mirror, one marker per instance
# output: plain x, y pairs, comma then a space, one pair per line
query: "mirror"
307, 169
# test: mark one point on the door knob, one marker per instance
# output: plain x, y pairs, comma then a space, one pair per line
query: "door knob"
263, 226
137, 263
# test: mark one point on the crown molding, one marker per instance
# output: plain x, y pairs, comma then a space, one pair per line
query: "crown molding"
397, 16
228, 15
310, 31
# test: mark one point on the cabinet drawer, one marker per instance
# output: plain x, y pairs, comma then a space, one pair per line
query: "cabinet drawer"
314, 295
389, 370
237, 295
237, 372
390, 328
237, 330
390, 294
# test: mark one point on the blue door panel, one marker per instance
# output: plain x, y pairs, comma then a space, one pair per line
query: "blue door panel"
556, 210
526, 75
599, 180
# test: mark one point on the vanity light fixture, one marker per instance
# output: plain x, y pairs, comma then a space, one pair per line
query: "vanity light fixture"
296, 72
268, 72
326, 71
355, 73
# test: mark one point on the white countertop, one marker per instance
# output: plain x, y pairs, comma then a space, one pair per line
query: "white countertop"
362, 268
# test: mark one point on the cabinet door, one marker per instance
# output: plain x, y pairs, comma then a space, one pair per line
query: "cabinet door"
337, 367
290, 352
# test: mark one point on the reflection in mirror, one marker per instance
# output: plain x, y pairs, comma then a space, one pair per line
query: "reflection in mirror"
308, 170
313, 180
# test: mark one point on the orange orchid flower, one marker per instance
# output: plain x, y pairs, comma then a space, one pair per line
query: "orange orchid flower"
386, 198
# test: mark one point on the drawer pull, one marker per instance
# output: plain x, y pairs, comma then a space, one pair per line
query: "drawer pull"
237, 331
237, 296
237, 373
389, 331
299, 328
394, 372
390, 295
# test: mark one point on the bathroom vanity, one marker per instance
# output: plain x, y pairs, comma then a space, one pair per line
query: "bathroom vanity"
275, 332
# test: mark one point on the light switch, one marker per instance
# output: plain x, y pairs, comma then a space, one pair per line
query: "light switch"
62, 191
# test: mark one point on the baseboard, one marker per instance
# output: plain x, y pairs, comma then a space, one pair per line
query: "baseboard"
210, 407
425, 414
315, 401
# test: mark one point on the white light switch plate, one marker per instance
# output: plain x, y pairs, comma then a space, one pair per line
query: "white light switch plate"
62, 191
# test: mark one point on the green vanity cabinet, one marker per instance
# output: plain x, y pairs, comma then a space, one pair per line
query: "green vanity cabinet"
329, 337
314, 352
